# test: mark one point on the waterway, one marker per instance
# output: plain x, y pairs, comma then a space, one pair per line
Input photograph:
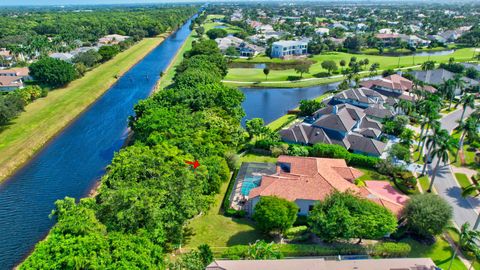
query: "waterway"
75, 159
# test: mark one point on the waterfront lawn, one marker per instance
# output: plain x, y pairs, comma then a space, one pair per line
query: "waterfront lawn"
386, 62
282, 122
219, 231
45, 117
440, 253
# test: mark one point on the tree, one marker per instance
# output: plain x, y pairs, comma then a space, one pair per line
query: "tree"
232, 51
467, 100
88, 58
467, 240
53, 72
431, 141
200, 31
308, 107
345, 216
399, 151
444, 147
266, 71
108, 52
303, 67
274, 214
373, 68
330, 66
216, 33
396, 125
428, 65
343, 63
470, 127
255, 127
472, 73
353, 43
427, 214
473, 190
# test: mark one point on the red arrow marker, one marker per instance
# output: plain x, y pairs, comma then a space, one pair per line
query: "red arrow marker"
195, 163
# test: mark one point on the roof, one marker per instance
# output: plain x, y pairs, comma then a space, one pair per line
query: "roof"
322, 264
309, 178
287, 43
10, 81
343, 120
378, 112
305, 134
386, 35
438, 76
19, 71
394, 81
363, 144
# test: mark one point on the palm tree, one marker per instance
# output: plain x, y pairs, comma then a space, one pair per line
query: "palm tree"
473, 191
441, 153
466, 101
432, 125
432, 141
469, 128
405, 105
467, 240
459, 83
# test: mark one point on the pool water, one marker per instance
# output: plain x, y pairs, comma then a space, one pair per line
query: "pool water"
250, 183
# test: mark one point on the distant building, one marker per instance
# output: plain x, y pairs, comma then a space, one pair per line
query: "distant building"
112, 39
388, 39
414, 41
244, 48
289, 48
10, 83
6, 56
322, 31
439, 76
62, 56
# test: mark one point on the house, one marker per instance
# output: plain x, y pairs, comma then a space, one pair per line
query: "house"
322, 31
322, 264
23, 72
10, 83
6, 57
414, 41
450, 35
289, 48
112, 39
62, 56
394, 86
344, 124
338, 25
308, 180
244, 48
470, 65
439, 76
388, 39
437, 38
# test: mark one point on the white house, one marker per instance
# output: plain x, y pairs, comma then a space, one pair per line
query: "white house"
289, 48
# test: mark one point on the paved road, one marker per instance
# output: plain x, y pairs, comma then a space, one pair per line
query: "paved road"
446, 185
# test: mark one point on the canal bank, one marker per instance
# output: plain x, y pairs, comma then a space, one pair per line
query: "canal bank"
47, 117
72, 162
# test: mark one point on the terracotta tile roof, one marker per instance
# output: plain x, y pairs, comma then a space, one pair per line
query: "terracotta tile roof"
384, 36
394, 81
10, 81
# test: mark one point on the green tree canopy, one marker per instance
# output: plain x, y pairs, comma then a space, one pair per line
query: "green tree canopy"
53, 72
275, 214
427, 214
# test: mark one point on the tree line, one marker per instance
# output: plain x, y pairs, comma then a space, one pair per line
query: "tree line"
149, 193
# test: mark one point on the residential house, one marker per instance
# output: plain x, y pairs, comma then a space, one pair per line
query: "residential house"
470, 65
343, 124
62, 56
439, 76
10, 83
388, 39
393, 86
450, 35
322, 264
414, 41
338, 25
6, 58
308, 180
112, 39
322, 31
244, 48
289, 48
437, 38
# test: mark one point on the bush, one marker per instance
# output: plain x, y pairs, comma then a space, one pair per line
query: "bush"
274, 214
390, 250
329, 151
230, 212
226, 199
297, 150
301, 221
53, 72
279, 149
298, 234
427, 214
362, 160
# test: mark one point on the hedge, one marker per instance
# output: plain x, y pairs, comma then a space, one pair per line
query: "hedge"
381, 249
337, 151
226, 199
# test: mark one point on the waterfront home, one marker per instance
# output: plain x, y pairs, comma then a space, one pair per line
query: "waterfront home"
376, 105
343, 124
414, 41
395, 86
289, 48
388, 39
308, 180
312, 263
439, 76
244, 48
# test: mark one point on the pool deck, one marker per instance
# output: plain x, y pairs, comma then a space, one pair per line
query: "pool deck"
237, 199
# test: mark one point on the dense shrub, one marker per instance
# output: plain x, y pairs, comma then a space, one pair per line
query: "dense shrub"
427, 214
53, 72
230, 212
274, 214
390, 250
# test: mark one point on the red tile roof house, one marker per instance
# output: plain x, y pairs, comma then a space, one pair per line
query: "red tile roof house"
394, 85
11, 79
307, 180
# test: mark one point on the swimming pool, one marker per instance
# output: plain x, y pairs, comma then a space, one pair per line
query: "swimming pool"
250, 183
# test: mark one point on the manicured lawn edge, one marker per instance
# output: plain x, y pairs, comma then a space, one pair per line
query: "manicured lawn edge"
46, 117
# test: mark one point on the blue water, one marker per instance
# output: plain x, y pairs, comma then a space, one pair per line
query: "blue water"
73, 161
250, 183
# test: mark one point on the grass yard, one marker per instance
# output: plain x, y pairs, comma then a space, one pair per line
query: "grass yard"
45, 117
250, 157
282, 122
440, 253
220, 231
424, 183
386, 62
463, 180
370, 174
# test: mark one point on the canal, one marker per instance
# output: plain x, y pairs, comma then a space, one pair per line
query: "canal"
75, 159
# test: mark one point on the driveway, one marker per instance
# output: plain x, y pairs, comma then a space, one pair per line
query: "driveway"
446, 184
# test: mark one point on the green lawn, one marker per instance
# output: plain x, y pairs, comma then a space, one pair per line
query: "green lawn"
424, 183
282, 121
463, 180
45, 117
386, 62
220, 231
250, 157
371, 174
440, 253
